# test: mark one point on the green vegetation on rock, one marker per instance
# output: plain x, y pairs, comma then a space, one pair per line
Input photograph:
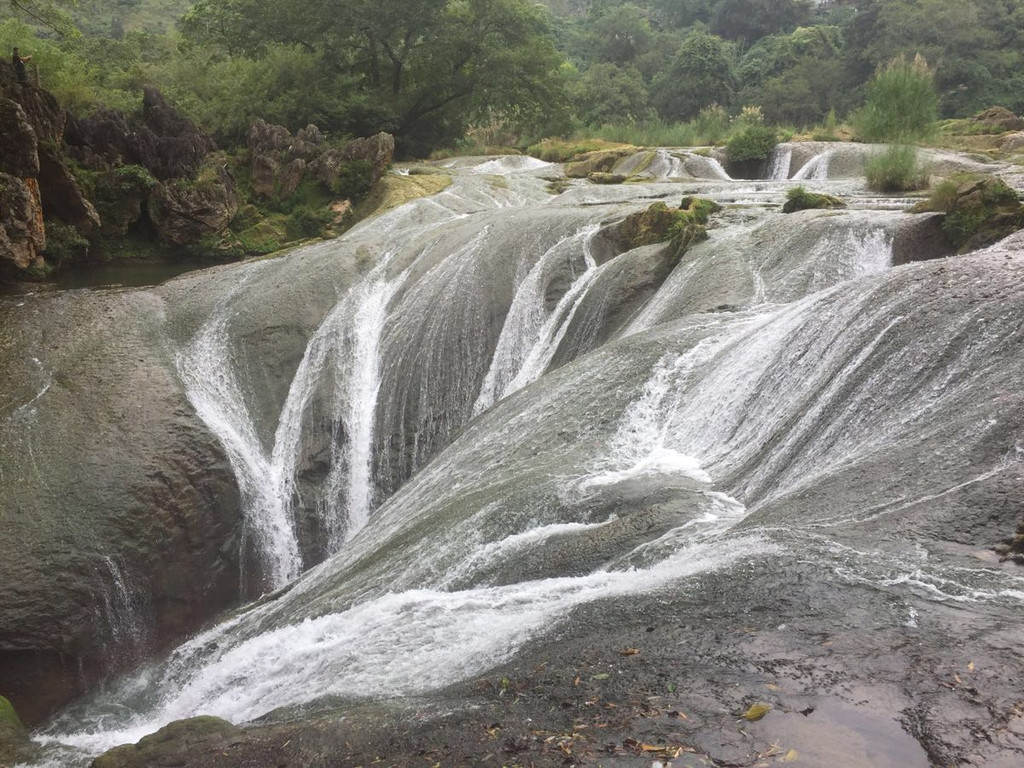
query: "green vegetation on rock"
755, 142
979, 211
799, 199
902, 103
896, 169
682, 227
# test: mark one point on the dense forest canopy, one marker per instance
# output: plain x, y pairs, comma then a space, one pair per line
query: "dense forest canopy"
431, 70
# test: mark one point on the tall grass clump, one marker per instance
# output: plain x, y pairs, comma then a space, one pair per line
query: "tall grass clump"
902, 104
896, 169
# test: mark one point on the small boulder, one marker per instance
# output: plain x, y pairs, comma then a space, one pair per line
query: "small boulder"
600, 161
982, 212
172, 745
799, 199
1012, 143
999, 119
606, 178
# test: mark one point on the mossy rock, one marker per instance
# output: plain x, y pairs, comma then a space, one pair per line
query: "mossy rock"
170, 744
684, 226
606, 178
15, 746
394, 190
595, 162
799, 199
981, 213
8, 717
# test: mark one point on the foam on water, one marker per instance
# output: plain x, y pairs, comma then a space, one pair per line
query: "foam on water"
508, 164
372, 650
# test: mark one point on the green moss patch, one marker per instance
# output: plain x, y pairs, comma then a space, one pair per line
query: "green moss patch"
799, 199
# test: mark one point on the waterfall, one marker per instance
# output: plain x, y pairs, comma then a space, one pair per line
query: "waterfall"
717, 169
529, 336
816, 169
346, 347
781, 159
350, 491
125, 611
767, 420
265, 482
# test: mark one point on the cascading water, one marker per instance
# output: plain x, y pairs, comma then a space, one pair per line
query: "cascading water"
783, 400
530, 335
779, 163
815, 169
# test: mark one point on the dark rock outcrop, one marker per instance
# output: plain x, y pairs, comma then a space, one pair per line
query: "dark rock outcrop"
18, 153
186, 211
171, 744
161, 140
22, 235
280, 161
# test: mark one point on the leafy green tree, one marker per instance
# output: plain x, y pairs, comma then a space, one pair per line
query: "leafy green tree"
606, 94
621, 34
51, 15
699, 75
431, 66
750, 20
797, 78
676, 14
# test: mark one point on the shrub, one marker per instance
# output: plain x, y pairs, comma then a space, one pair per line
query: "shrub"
902, 103
896, 170
63, 243
354, 180
307, 222
755, 142
799, 199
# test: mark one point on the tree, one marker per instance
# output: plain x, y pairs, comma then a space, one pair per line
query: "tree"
620, 35
750, 20
797, 78
700, 74
431, 65
605, 94
48, 14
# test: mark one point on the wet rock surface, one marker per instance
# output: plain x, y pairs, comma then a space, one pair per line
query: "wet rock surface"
590, 598
119, 508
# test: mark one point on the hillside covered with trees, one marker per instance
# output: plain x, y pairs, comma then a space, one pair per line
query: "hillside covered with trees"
431, 70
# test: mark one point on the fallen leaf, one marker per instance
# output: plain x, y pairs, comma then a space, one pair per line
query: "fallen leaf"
789, 757
772, 687
970, 666
602, 676
629, 652
756, 712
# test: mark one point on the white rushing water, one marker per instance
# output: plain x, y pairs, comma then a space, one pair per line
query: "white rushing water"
371, 649
815, 169
779, 163
544, 503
